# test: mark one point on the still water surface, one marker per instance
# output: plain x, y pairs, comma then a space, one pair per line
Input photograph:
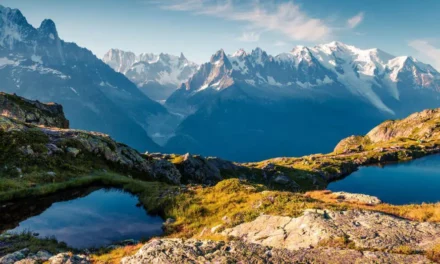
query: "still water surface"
416, 181
98, 219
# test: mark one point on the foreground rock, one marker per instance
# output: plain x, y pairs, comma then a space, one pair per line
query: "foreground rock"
196, 251
67, 258
25, 257
363, 229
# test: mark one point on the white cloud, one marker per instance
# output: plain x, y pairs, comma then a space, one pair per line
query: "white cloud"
355, 21
249, 37
287, 18
427, 51
280, 44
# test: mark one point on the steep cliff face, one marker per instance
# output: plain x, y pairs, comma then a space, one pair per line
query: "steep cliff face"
33, 112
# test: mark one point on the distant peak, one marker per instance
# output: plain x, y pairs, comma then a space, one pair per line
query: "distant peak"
300, 51
182, 57
219, 55
336, 43
4, 9
48, 28
239, 53
14, 16
257, 51
116, 51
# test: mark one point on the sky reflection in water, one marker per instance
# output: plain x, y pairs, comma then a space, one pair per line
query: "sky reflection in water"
100, 218
416, 181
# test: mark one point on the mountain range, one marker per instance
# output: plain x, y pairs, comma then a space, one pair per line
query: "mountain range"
244, 106
37, 64
158, 76
254, 106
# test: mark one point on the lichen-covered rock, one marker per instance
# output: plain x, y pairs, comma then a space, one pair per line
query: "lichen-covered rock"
357, 198
352, 143
67, 258
24, 256
40, 257
366, 229
160, 251
14, 257
32, 112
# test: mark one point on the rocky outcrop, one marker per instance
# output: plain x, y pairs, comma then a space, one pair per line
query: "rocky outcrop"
197, 251
49, 143
357, 198
33, 112
365, 229
418, 126
350, 144
421, 126
44, 143
24, 256
198, 169
67, 258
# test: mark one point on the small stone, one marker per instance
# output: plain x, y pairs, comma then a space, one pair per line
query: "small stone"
43, 255
73, 151
281, 179
169, 221
27, 150
51, 173
269, 166
215, 228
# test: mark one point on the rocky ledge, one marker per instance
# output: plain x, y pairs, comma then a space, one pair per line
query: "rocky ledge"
357, 198
197, 251
355, 228
32, 112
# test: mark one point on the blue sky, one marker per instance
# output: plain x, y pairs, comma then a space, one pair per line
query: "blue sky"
199, 28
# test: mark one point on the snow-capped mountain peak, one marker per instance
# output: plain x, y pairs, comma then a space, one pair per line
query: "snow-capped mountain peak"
371, 74
13, 27
219, 57
239, 53
156, 75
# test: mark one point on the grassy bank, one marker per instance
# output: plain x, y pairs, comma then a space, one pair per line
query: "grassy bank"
152, 194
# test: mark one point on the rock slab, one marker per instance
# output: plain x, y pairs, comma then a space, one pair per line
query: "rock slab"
197, 251
366, 229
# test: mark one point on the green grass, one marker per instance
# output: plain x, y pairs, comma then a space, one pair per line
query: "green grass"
11, 242
151, 194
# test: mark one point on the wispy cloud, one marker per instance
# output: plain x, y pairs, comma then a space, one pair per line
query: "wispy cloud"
428, 51
287, 18
355, 21
251, 36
